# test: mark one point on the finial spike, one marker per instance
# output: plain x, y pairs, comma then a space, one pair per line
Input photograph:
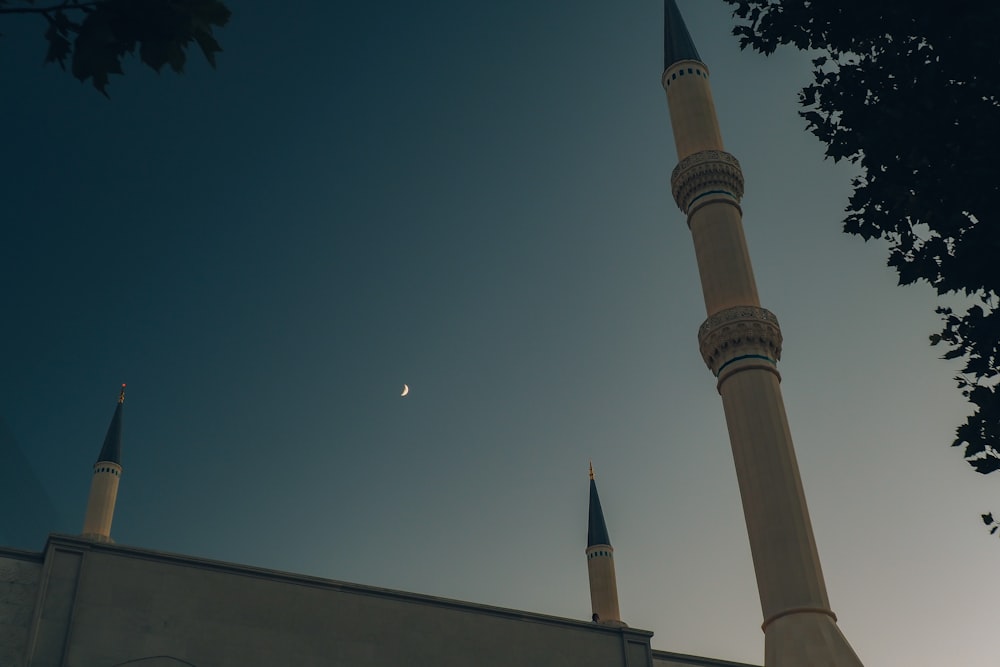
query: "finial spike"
121, 395
591, 469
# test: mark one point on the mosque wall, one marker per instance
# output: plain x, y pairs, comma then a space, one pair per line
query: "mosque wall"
107, 605
20, 573
83, 604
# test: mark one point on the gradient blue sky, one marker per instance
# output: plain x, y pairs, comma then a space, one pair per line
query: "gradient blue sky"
471, 198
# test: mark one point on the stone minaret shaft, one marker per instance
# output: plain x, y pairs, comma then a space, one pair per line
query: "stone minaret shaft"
601, 564
741, 343
104, 485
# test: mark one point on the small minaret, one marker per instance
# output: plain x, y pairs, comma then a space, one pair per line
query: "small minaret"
601, 564
104, 485
741, 344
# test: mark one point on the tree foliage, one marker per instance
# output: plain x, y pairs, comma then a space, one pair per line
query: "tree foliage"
94, 37
912, 96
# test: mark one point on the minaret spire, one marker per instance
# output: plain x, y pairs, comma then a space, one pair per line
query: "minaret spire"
104, 484
741, 344
601, 564
677, 42
112, 449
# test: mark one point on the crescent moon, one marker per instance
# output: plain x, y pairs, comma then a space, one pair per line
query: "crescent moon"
406, 390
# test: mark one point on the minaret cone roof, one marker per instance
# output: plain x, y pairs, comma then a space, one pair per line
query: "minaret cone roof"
677, 42
597, 529
112, 449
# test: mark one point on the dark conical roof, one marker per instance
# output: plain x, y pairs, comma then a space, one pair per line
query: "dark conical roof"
112, 449
677, 42
597, 530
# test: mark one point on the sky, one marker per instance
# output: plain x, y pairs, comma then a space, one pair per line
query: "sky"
473, 199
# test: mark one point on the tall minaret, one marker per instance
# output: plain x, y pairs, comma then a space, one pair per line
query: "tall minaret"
741, 343
104, 485
601, 564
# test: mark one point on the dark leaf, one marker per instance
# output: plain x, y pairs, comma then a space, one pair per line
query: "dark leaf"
209, 47
96, 37
59, 46
155, 53
97, 52
985, 466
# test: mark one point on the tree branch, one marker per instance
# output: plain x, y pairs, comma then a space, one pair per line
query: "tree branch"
46, 10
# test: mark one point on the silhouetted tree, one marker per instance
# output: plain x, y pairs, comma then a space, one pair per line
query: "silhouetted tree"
95, 36
912, 96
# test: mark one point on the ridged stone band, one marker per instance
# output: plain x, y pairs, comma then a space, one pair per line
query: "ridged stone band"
740, 338
706, 176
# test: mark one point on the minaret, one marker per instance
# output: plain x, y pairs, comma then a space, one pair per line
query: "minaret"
104, 485
601, 564
741, 343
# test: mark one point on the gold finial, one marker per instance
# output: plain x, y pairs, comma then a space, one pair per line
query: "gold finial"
121, 396
591, 469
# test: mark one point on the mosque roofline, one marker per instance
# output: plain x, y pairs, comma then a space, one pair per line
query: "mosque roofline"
78, 544
697, 660
21, 554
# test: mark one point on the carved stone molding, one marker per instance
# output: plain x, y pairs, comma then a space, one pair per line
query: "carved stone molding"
739, 337
703, 173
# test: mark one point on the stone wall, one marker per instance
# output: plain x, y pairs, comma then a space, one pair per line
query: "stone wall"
20, 573
107, 605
